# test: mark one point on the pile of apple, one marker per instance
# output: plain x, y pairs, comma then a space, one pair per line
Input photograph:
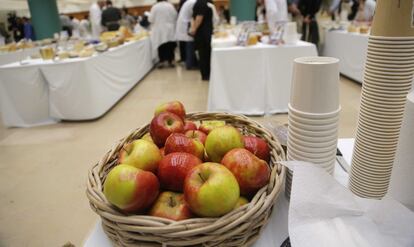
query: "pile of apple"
178, 171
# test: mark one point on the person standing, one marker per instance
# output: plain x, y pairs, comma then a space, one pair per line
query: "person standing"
276, 11
75, 26
111, 17
95, 14
202, 29
183, 24
181, 43
28, 29
309, 9
163, 17
366, 10
66, 24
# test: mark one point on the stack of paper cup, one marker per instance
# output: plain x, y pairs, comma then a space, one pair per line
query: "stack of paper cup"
388, 78
313, 113
290, 35
402, 182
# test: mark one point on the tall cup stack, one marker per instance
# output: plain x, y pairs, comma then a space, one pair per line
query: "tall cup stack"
313, 113
388, 78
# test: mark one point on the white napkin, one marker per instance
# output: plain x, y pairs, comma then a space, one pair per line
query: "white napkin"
324, 213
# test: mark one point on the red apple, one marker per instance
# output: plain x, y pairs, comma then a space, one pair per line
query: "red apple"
163, 125
172, 206
162, 150
181, 143
141, 154
175, 107
197, 135
173, 169
221, 140
258, 147
189, 125
211, 190
251, 172
131, 189
207, 126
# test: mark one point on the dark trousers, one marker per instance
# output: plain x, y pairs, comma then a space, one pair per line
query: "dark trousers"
183, 53
310, 32
190, 59
203, 47
166, 52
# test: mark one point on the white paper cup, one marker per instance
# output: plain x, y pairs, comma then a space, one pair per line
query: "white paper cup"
304, 143
324, 139
381, 89
313, 160
385, 100
390, 45
379, 113
390, 54
315, 116
387, 58
380, 154
390, 38
315, 150
380, 64
315, 84
311, 127
326, 133
391, 50
388, 72
314, 122
305, 155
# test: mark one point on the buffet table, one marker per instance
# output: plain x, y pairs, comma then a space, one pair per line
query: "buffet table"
41, 92
15, 56
254, 80
276, 230
351, 50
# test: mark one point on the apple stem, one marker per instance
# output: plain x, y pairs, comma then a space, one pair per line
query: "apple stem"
201, 177
172, 202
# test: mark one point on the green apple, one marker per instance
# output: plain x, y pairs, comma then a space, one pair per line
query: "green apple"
211, 190
131, 189
242, 201
221, 140
147, 137
141, 154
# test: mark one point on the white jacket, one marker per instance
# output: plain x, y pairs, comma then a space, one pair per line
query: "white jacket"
95, 15
276, 11
163, 17
184, 19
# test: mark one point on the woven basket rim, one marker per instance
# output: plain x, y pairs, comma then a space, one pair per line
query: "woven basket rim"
160, 229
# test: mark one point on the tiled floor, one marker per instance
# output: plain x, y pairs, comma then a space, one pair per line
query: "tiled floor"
43, 170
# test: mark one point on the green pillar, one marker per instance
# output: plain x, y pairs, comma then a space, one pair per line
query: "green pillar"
244, 10
45, 18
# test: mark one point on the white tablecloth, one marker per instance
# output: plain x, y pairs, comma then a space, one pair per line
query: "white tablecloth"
254, 80
276, 230
74, 89
351, 50
11, 57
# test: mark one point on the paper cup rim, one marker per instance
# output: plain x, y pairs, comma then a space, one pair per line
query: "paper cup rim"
317, 61
313, 121
311, 127
311, 149
328, 115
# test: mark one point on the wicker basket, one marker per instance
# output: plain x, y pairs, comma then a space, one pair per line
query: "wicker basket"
240, 227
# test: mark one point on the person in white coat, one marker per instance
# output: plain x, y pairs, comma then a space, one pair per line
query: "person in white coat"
183, 24
276, 11
163, 17
95, 15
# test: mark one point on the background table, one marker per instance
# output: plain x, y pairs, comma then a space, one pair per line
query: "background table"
276, 230
351, 49
74, 89
11, 57
254, 80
